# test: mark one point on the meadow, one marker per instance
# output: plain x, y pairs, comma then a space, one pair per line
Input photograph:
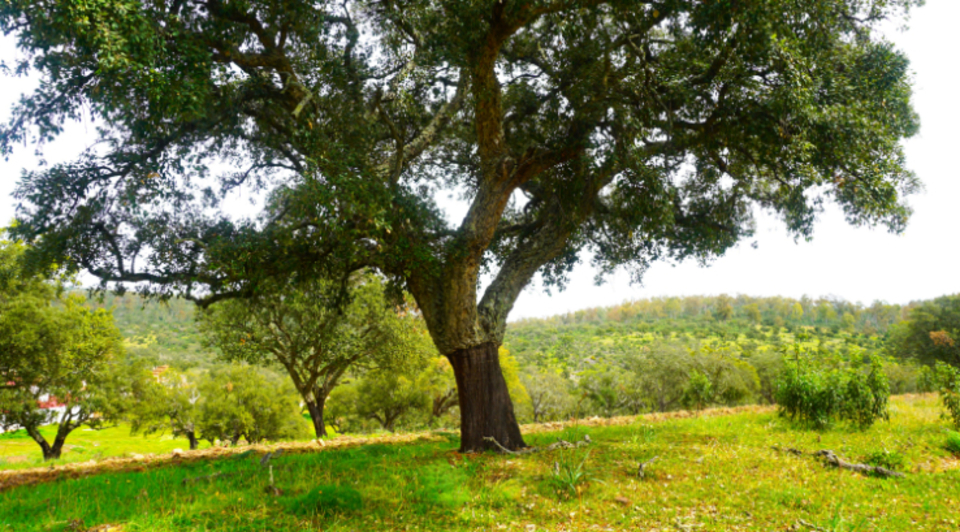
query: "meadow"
19, 451
720, 470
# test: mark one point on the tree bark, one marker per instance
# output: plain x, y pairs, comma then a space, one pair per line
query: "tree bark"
315, 408
192, 437
486, 410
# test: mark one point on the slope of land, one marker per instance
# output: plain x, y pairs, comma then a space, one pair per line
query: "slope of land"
712, 473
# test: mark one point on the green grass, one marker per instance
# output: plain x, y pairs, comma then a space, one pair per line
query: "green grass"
713, 473
19, 451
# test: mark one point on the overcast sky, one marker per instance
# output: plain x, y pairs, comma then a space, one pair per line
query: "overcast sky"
854, 264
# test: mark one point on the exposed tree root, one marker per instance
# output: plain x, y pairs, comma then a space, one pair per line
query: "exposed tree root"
834, 460
553, 446
831, 458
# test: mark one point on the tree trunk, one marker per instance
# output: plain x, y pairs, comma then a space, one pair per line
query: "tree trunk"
485, 406
192, 437
57, 447
316, 416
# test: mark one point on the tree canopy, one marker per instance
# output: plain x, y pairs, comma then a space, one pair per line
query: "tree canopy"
627, 131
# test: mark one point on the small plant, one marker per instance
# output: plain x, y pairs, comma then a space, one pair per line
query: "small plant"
569, 474
891, 460
643, 434
953, 442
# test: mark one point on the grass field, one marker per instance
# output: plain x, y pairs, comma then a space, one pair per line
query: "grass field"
712, 473
19, 451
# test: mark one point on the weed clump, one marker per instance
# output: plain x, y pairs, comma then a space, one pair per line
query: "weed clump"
892, 460
570, 474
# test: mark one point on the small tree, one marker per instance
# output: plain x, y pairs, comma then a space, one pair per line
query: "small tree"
171, 402
549, 392
303, 329
821, 392
64, 355
53, 350
249, 403
387, 396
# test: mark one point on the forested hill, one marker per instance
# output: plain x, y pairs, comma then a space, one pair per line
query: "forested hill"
164, 332
750, 322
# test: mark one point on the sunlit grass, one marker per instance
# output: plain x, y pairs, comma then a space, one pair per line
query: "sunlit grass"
19, 451
713, 473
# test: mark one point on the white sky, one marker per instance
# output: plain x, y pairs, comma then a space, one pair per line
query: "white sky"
854, 264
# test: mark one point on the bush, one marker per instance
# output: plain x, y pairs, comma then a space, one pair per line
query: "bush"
953, 442
948, 385
891, 460
698, 392
819, 396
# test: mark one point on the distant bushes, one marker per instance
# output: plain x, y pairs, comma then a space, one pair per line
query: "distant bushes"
819, 395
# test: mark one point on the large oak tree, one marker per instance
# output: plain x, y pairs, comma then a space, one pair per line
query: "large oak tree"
627, 131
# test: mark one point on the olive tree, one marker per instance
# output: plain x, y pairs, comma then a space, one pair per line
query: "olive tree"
626, 131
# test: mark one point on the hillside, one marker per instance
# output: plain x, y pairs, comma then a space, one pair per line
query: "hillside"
162, 331
718, 471
751, 323
166, 330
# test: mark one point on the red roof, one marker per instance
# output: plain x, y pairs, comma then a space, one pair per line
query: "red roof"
51, 402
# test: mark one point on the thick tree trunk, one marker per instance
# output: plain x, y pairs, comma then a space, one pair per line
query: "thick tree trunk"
485, 407
192, 437
316, 416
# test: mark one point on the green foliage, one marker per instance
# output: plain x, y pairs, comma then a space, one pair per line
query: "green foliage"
892, 460
317, 332
349, 119
171, 402
243, 402
948, 386
51, 346
698, 392
813, 394
161, 332
930, 333
953, 442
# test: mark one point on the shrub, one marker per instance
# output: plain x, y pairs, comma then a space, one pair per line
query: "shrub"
819, 396
698, 392
953, 442
892, 460
948, 385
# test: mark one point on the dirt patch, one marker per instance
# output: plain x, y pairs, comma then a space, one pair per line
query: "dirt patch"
14, 459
